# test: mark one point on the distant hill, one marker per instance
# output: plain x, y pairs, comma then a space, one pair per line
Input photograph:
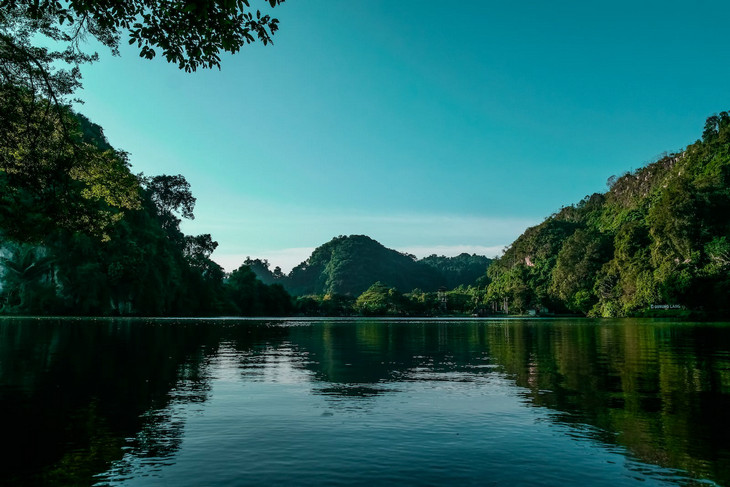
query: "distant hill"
464, 269
660, 236
351, 264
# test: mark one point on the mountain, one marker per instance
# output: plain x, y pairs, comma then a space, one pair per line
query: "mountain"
106, 242
351, 264
461, 270
658, 238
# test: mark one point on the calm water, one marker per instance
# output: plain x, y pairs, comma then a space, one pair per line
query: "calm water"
471, 402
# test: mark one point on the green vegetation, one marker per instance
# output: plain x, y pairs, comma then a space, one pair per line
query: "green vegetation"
382, 300
136, 262
126, 255
73, 242
461, 270
349, 265
55, 172
97, 252
356, 275
81, 234
658, 237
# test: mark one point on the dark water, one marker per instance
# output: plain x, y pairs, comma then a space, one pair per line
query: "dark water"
485, 402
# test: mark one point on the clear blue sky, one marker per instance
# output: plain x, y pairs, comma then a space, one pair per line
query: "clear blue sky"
430, 126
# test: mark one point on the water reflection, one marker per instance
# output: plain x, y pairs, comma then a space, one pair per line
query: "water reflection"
82, 397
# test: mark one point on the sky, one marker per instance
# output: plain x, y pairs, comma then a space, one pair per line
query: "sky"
432, 127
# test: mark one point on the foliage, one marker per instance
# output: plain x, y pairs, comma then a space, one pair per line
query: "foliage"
325, 305
189, 34
171, 195
108, 242
54, 173
262, 271
254, 298
657, 237
144, 266
380, 300
463, 269
351, 264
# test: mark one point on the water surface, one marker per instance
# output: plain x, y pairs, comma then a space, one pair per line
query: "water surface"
245, 402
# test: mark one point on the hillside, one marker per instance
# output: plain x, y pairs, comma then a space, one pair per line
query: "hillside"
461, 270
658, 238
351, 264
114, 247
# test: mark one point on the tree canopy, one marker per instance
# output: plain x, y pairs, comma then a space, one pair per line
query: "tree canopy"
54, 173
657, 237
189, 34
351, 264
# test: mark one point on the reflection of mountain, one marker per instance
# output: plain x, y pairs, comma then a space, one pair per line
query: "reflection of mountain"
75, 390
371, 351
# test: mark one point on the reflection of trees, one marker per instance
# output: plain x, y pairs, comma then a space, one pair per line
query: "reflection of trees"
73, 390
350, 357
659, 390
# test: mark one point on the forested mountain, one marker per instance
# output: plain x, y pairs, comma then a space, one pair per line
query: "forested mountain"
351, 264
658, 237
101, 257
461, 270
79, 233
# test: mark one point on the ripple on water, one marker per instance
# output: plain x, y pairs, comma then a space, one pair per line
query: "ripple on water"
331, 402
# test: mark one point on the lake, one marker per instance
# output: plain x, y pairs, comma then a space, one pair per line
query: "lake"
148, 402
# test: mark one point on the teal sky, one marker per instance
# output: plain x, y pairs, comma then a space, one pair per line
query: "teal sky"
430, 126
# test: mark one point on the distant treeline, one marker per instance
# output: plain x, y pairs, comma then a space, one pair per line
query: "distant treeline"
382, 300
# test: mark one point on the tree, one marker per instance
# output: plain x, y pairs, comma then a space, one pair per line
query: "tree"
263, 272
379, 300
718, 251
254, 298
579, 260
52, 176
48, 169
171, 195
199, 247
191, 34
